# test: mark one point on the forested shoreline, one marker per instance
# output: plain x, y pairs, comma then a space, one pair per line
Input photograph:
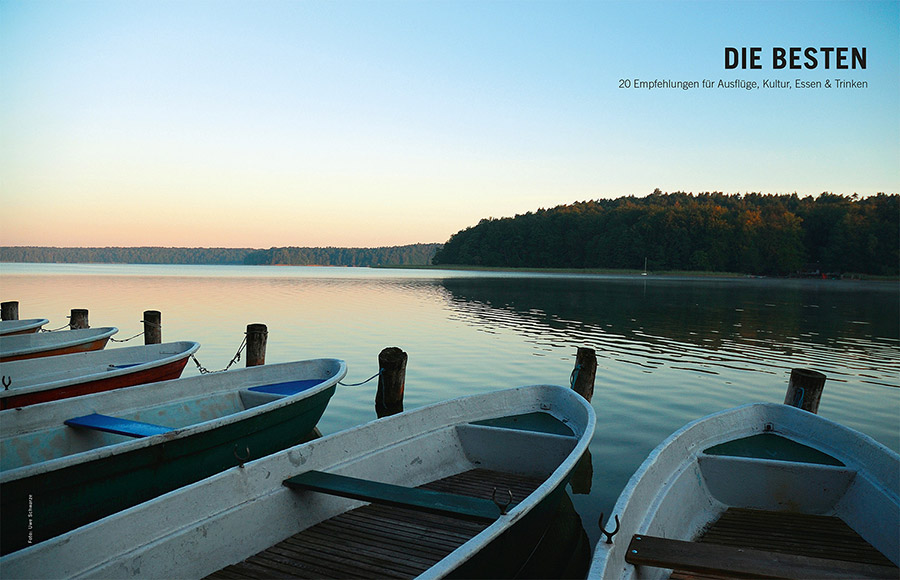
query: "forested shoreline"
757, 234
714, 232
409, 255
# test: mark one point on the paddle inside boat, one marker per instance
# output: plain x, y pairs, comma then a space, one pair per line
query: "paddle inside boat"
76, 460
763, 490
461, 488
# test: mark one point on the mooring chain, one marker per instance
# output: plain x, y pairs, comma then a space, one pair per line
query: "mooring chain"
145, 323
237, 356
574, 376
54, 329
362, 383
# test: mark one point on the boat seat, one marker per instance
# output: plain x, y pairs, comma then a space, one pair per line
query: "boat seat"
118, 426
707, 558
262, 394
461, 506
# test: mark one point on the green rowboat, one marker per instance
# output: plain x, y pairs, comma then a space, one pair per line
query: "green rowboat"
66, 463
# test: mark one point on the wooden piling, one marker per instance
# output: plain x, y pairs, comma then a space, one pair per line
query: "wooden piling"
78, 319
256, 344
584, 373
805, 389
391, 381
9, 310
152, 327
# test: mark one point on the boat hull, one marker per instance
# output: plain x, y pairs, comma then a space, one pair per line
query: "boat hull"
157, 365
44, 503
28, 346
14, 327
199, 529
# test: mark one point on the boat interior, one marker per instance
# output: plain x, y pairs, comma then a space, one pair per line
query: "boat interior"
356, 523
771, 505
81, 433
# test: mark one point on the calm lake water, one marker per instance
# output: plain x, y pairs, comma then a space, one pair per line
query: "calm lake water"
669, 350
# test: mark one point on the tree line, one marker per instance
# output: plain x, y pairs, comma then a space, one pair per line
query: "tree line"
751, 233
409, 255
414, 254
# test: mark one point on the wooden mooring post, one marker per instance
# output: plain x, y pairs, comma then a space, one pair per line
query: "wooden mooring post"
805, 389
391, 381
9, 310
152, 327
257, 334
78, 319
584, 373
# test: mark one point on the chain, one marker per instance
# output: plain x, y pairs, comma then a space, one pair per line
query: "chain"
126, 339
237, 356
55, 329
362, 383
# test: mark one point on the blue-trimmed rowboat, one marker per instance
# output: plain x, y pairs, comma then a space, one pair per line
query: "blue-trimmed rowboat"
465, 488
762, 490
49, 378
66, 463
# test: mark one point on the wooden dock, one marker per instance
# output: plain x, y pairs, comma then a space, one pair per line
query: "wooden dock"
380, 541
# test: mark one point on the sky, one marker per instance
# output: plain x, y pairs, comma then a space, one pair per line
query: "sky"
378, 123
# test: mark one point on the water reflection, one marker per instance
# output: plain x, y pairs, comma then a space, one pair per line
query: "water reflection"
698, 326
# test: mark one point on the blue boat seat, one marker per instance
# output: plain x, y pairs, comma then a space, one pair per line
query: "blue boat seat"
461, 506
117, 426
288, 388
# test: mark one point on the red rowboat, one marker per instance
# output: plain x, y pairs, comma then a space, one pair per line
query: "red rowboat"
22, 346
10, 327
26, 382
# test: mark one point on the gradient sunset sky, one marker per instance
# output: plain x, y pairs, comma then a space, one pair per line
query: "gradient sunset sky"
269, 123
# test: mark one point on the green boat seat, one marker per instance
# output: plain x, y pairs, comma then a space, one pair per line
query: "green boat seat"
117, 426
287, 388
461, 506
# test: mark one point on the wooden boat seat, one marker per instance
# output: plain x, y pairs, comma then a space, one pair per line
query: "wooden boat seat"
438, 502
118, 426
707, 558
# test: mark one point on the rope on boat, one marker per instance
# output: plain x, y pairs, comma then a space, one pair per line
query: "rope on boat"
362, 383
237, 356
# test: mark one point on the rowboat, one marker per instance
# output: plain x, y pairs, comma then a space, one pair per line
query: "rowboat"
66, 463
27, 326
38, 380
762, 490
465, 488
23, 346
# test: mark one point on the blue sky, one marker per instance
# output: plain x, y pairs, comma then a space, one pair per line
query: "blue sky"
380, 123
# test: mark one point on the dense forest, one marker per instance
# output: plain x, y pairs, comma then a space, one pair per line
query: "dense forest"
751, 233
411, 255
415, 254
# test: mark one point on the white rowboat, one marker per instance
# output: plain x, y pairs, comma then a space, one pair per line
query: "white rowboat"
527, 436
822, 499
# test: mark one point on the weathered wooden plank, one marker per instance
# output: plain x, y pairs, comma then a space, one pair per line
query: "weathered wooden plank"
743, 562
801, 534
